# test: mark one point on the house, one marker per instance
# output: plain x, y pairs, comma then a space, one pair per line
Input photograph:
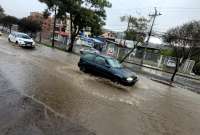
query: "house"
62, 30
47, 23
109, 35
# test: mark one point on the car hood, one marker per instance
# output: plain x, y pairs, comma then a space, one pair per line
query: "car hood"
27, 40
124, 72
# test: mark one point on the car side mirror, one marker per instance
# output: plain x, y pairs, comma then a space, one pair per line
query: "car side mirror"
108, 66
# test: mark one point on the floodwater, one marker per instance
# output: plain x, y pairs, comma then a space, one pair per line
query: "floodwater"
44, 93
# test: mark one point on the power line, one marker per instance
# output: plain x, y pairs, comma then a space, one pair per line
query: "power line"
156, 14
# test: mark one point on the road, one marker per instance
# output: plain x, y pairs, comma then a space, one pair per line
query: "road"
44, 93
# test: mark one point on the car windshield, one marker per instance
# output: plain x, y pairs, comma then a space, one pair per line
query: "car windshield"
114, 63
23, 36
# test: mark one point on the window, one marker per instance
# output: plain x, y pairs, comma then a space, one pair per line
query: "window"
114, 63
100, 60
23, 36
89, 56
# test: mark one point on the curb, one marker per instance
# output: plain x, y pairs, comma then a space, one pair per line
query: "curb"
163, 82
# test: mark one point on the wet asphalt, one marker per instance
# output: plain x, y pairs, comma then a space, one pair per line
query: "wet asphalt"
42, 92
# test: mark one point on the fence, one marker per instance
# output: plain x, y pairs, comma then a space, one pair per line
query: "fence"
151, 59
46, 38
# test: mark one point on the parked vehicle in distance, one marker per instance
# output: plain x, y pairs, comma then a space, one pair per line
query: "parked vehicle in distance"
21, 39
171, 64
108, 67
89, 50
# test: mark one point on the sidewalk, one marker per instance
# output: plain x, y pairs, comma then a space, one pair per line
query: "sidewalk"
180, 81
161, 70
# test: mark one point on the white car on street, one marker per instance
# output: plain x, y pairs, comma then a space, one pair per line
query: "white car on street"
21, 39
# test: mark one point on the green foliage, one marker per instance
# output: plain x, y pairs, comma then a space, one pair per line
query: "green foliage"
168, 52
46, 14
28, 25
136, 28
9, 20
83, 13
1, 12
184, 39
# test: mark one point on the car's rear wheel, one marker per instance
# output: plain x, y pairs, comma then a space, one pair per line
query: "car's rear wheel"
83, 69
9, 40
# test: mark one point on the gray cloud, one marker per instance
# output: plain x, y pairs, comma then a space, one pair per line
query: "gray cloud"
175, 12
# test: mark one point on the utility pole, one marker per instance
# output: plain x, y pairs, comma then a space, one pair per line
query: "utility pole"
156, 14
54, 26
128, 28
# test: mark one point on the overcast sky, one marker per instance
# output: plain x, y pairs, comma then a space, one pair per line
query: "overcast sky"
175, 12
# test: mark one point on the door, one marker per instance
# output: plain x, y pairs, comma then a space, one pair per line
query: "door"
88, 61
12, 37
101, 66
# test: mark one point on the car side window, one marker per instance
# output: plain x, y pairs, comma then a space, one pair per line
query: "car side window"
89, 57
100, 60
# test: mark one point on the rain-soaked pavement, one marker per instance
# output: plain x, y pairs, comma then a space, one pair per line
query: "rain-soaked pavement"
42, 92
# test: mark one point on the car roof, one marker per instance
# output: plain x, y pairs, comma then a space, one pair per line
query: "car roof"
101, 55
20, 33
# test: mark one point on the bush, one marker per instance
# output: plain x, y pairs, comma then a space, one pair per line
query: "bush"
168, 52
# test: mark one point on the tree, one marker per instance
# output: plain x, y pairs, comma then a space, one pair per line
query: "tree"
9, 21
135, 31
83, 13
184, 40
29, 26
96, 26
1, 12
136, 28
46, 14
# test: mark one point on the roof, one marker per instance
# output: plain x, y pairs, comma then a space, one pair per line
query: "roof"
102, 55
19, 33
64, 34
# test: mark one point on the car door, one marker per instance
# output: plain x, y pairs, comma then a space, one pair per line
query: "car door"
101, 66
88, 61
11, 37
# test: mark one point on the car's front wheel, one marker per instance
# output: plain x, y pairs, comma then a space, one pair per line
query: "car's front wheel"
9, 40
116, 80
83, 69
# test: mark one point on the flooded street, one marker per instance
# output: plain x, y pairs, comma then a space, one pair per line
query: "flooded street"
42, 92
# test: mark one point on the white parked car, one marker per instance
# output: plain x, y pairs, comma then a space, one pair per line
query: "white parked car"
171, 64
21, 39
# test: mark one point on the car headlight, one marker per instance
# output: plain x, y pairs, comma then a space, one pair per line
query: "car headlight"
129, 79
